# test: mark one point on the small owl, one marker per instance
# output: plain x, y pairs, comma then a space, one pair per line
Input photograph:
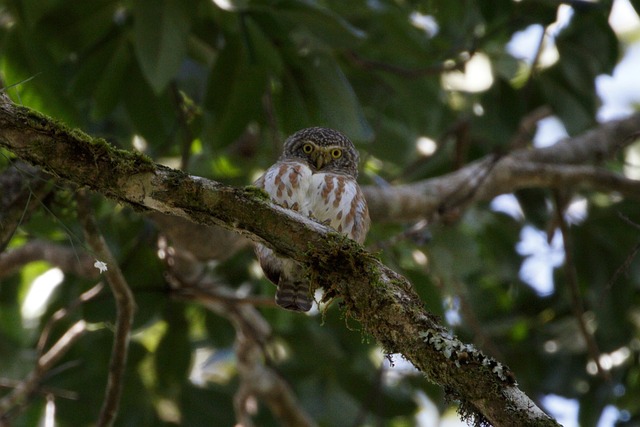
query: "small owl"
315, 176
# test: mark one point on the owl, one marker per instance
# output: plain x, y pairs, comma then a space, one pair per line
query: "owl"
315, 176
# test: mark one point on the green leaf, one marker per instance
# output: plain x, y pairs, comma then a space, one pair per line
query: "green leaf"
152, 115
234, 93
260, 48
517, 14
33, 414
108, 92
173, 354
102, 73
429, 292
291, 106
85, 376
588, 48
161, 30
381, 400
335, 102
321, 23
454, 254
78, 25
590, 40
220, 330
39, 79
592, 404
503, 106
206, 407
576, 110
328, 403
533, 202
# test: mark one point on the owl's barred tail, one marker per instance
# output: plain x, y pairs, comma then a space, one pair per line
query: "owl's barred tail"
294, 295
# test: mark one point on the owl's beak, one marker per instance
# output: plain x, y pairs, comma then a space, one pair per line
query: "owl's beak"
321, 158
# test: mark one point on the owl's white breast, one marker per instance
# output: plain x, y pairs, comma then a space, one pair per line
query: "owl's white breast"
328, 195
329, 198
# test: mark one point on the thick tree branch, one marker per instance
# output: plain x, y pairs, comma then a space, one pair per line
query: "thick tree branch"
381, 300
569, 164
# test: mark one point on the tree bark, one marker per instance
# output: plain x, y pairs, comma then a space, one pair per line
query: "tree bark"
573, 163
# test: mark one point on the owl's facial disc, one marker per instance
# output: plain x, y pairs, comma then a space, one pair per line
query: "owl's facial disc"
322, 156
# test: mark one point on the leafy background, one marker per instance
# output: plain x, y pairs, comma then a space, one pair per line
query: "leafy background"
214, 87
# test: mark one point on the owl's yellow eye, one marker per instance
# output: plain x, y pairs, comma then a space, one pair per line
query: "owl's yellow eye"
336, 153
307, 148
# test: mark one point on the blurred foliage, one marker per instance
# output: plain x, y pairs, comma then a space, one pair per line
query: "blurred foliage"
215, 86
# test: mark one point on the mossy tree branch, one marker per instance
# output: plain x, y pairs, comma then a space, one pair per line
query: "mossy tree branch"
380, 299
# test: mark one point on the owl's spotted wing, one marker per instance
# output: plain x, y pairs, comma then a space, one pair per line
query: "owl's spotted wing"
338, 200
287, 183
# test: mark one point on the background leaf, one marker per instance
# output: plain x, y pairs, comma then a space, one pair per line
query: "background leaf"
161, 29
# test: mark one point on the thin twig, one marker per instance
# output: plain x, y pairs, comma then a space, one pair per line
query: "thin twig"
57, 255
46, 361
257, 378
182, 117
202, 296
536, 57
625, 265
43, 390
456, 133
527, 127
64, 312
26, 388
54, 354
125, 307
417, 233
572, 282
628, 220
370, 64
4, 88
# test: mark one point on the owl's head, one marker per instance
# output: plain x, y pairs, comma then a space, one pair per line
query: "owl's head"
323, 149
